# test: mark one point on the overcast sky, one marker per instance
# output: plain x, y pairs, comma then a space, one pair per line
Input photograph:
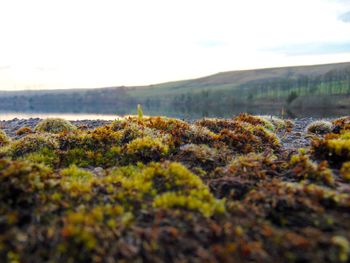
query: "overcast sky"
97, 43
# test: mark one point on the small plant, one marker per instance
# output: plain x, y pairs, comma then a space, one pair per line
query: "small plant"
54, 125
319, 127
139, 111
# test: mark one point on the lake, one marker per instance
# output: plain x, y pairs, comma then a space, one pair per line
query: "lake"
182, 114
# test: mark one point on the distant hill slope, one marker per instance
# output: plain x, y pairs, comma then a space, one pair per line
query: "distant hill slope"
232, 80
302, 86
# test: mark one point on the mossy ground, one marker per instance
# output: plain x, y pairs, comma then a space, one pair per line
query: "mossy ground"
158, 189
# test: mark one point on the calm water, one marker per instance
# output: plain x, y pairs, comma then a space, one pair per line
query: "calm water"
210, 112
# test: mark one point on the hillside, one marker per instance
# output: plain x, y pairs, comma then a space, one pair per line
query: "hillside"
317, 86
234, 79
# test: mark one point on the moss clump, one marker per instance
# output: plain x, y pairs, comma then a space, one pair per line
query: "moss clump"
32, 143
343, 247
99, 147
185, 190
217, 125
279, 123
252, 166
255, 120
302, 168
45, 156
319, 127
4, 139
146, 149
55, 125
203, 156
334, 148
245, 137
24, 130
345, 171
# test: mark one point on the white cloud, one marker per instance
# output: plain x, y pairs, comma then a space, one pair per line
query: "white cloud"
90, 43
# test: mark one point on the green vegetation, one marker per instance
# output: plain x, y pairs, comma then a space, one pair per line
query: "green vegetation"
161, 189
4, 139
53, 125
319, 127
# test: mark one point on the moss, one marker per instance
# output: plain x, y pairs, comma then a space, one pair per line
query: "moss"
319, 127
44, 156
99, 147
253, 166
76, 181
217, 125
54, 125
255, 120
24, 130
203, 156
4, 139
302, 168
146, 149
333, 147
343, 247
245, 138
165, 184
278, 123
32, 143
345, 171
186, 190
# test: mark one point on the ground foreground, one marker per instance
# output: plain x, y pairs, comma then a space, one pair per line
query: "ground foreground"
159, 189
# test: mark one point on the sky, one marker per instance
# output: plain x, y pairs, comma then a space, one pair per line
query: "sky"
51, 44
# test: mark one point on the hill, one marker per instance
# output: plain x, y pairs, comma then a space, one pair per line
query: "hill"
316, 86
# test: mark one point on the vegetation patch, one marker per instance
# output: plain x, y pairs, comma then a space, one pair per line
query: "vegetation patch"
155, 189
54, 125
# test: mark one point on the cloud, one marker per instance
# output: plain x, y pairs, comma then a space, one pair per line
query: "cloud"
345, 17
312, 49
5, 67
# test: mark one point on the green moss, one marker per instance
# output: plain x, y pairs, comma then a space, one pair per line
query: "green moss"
4, 139
319, 127
146, 149
24, 130
303, 168
278, 123
32, 143
345, 171
343, 247
255, 120
165, 184
55, 125
44, 156
76, 181
252, 166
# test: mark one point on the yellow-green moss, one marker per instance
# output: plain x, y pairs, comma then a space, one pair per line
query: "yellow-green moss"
24, 130
345, 171
343, 247
255, 120
54, 125
146, 149
253, 166
44, 156
319, 127
32, 143
303, 168
4, 139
